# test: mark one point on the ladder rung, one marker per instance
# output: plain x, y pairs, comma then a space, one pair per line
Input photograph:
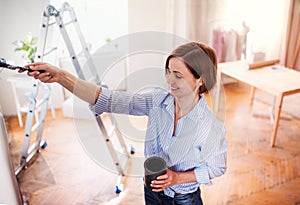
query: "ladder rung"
85, 49
51, 23
111, 131
36, 125
33, 147
41, 102
113, 122
72, 21
51, 50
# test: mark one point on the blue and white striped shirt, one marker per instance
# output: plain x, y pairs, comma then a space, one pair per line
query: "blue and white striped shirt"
198, 143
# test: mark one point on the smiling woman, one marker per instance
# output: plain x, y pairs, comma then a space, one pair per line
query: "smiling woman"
181, 128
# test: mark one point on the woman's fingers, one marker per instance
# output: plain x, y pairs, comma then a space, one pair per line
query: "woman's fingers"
45, 79
161, 183
36, 67
42, 71
33, 73
43, 75
34, 64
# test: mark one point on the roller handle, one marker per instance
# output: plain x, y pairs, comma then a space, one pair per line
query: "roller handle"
28, 69
3, 64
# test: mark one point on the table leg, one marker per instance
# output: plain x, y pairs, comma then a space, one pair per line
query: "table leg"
252, 93
218, 90
277, 117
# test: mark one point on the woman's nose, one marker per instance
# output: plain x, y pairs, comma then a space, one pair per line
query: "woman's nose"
170, 78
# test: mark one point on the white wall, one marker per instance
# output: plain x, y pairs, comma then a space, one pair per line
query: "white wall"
145, 68
146, 15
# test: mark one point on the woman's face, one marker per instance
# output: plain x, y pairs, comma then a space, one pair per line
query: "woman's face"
180, 80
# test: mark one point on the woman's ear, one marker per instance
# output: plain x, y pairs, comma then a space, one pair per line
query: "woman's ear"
199, 81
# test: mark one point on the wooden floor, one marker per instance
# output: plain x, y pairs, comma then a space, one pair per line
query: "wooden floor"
65, 173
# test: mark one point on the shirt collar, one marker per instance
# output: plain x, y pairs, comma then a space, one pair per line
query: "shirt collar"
169, 103
197, 111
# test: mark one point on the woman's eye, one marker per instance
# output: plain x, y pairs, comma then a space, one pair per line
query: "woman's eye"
168, 72
178, 76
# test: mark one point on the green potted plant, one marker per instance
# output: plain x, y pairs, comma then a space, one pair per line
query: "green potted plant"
27, 46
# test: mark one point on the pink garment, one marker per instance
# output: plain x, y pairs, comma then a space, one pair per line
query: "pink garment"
217, 44
230, 46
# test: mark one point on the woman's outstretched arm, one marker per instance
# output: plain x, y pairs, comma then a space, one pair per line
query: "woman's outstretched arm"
84, 90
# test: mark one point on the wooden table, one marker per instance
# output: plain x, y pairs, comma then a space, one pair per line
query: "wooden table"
276, 80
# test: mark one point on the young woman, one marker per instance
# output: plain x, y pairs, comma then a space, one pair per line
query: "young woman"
181, 128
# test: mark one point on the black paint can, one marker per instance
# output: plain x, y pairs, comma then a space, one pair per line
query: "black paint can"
154, 166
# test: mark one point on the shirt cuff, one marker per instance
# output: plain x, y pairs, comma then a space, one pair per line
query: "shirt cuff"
101, 104
104, 96
202, 175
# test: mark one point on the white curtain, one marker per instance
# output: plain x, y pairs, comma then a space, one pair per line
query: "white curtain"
190, 18
293, 52
266, 19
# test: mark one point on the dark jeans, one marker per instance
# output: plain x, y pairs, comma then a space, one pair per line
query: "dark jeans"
154, 198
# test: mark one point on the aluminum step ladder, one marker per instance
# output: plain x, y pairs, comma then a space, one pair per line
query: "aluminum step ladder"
58, 15
30, 149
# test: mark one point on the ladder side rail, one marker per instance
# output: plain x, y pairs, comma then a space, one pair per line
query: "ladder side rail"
120, 138
43, 113
87, 55
28, 125
109, 144
42, 38
70, 48
27, 150
80, 74
85, 50
78, 68
41, 103
93, 70
42, 41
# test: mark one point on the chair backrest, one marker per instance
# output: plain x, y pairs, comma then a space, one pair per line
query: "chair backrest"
20, 86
